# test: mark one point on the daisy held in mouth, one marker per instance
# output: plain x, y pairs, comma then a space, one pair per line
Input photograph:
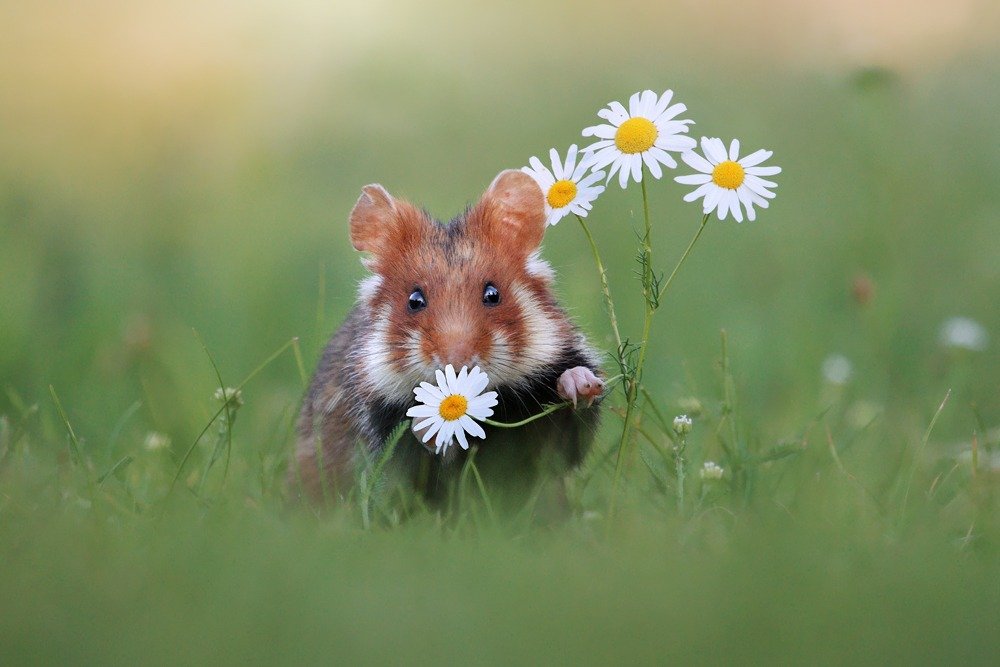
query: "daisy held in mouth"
450, 409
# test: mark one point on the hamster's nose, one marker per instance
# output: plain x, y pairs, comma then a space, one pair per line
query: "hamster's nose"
458, 351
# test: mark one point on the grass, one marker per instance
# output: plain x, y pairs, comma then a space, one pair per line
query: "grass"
141, 520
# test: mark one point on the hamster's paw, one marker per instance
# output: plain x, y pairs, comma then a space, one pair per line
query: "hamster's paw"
579, 383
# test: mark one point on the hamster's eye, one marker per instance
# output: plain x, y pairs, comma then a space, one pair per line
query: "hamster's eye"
491, 295
417, 301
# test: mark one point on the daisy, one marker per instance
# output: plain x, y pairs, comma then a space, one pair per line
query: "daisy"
640, 135
566, 190
449, 408
726, 181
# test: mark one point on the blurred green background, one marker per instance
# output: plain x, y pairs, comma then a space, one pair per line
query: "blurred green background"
175, 167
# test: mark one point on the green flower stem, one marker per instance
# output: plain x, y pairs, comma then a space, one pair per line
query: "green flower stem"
679, 463
547, 411
632, 387
673, 273
604, 283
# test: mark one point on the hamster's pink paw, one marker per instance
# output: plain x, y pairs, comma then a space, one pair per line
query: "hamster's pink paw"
579, 383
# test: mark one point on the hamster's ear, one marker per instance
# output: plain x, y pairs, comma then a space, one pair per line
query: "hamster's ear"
379, 221
512, 212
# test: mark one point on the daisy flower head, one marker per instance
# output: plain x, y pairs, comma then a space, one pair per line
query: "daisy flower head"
565, 187
726, 181
641, 134
449, 409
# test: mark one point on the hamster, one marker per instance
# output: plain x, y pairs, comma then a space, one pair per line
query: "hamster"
472, 292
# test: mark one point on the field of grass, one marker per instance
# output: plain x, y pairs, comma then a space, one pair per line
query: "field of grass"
173, 199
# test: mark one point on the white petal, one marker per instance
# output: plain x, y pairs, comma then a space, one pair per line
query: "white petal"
753, 196
435, 427
480, 410
678, 143
693, 179
734, 205
633, 104
592, 178
570, 161
652, 165
604, 157
477, 381
537, 165
443, 438
430, 392
545, 181
623, 164
746, 198
597, 130
421, 411
696, 161
472, 427
662, 156
615, 113
419, 424
712, 200
460, 434
671, 112
760, 182
557, 169
713, 149
763, 171
700, 192
442, 382
661, 104
665, 128
734, 150
449, 374
647, 103
636, 166
755, 158
582, 166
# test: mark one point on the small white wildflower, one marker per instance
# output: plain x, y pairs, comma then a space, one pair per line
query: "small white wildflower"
233, 396
682, 424
156, 441
965, 334
837, 369
711, 471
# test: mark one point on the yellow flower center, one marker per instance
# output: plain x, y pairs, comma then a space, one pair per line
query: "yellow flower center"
561, 193
636, 135
453, 407
728, 175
